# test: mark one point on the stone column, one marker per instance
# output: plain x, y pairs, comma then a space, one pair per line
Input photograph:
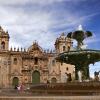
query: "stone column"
85, 70
76, 72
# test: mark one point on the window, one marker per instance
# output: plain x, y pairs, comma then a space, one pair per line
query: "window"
67, 68
3, 45
15, 61
36, 61
61, 63
64, 48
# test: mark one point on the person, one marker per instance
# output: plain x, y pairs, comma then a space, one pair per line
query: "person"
18, 88
21, 87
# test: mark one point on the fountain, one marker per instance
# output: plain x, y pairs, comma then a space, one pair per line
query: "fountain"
81, 58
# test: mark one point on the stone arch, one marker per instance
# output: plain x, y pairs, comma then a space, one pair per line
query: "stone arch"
64, 48
36, 77
15, 81
3, 45
53, 80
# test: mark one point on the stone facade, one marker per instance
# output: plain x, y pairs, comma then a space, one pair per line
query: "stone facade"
34, 65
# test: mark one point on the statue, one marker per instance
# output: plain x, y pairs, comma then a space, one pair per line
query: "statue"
80, 76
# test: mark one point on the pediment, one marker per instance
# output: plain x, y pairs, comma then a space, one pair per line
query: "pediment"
35, 50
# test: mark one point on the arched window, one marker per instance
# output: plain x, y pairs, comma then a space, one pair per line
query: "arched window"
35, 60
3, 45
64, 48
15, 61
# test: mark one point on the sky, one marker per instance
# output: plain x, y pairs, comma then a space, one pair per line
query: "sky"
44, 21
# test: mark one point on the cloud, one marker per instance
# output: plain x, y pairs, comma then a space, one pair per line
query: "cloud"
22, 26
40, 2
28, 24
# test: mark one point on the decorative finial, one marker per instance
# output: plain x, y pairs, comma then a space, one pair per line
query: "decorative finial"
51, 51
18, 49
24, 50
80, 28
11, 49
14, 48
7, 31
35, 41
21, 49
63, 34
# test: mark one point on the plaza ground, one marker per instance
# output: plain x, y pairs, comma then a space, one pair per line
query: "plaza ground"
50, 98
11, 94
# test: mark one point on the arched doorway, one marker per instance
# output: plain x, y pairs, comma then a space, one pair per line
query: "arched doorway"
36, 77
53, 80
69, 78
15, 81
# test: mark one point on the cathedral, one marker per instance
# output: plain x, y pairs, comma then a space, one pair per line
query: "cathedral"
34, 65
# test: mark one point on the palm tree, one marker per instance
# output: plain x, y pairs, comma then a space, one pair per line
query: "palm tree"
79, 36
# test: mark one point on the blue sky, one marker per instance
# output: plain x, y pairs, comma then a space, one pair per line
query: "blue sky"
44, 21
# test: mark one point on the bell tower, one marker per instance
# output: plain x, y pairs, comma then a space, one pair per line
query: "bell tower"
63, 44
4, 40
